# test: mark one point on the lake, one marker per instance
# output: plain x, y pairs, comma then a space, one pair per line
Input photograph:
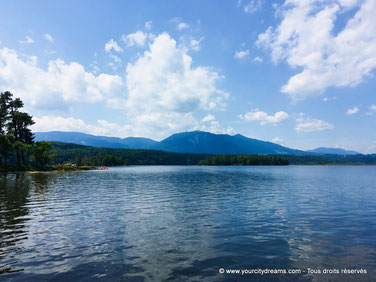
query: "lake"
189, 223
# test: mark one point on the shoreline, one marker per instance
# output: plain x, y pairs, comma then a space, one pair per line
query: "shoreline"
69, 168
49, 168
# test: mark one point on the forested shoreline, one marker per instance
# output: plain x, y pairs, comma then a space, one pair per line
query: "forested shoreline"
87, 155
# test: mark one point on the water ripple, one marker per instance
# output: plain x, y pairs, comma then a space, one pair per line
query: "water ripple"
184, 223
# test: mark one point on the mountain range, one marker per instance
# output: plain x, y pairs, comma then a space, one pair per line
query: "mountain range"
332, 151
187, 142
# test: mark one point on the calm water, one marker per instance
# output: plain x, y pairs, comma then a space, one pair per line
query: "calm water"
162, 223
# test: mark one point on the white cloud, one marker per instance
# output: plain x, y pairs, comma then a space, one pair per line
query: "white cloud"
163, 79
195, 44
165, 90
181, 26
101, 127
135, 39
352, 111
148, 25
277, 140
161, 94
311, 125
240, 55
208, 118
264, 118
258, 59
187, 43
214, 127
112, 45
28, 40
252, 6
306, 39
56, 87
48, 37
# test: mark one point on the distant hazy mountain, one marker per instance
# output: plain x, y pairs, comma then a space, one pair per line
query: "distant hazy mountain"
332, 151
205, 142
96, 141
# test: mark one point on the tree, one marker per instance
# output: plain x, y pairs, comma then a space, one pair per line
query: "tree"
43, 153
6, 147
5, 99
18, 126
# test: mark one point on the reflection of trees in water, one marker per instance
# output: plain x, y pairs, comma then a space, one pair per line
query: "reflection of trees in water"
42, 181
14, 193
17, 192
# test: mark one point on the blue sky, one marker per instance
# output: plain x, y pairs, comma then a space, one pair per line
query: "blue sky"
298, 73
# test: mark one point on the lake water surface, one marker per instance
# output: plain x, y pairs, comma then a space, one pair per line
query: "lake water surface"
179, 223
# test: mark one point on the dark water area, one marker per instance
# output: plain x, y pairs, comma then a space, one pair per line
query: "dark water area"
178, 223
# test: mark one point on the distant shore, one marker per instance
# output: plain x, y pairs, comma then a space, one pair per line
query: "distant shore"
34, 168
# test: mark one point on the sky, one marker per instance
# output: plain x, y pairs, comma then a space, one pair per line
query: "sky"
299, 73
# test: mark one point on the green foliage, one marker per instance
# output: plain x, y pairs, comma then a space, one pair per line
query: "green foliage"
60, 167
244, 160
5, 99
86, 155
332, 159
16, 123
6, 147
43, 153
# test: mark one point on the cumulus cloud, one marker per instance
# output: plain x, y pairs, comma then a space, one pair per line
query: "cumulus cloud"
258, 59
164, 79
264, 118
240, 55
55, 87
352, 111
135, 39
28, 40
112, 45
311, 125
306, 38
48, 37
